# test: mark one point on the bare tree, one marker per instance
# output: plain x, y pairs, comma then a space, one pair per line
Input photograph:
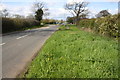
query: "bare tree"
40, 10
5, 13
77, 9
38, 5
46, 12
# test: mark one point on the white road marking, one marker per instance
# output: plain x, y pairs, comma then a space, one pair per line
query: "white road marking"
22, 37
2, 44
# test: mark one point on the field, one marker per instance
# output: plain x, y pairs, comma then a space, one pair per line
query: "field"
76, 54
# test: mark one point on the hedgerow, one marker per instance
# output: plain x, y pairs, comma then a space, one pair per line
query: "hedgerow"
105, 26
15, 24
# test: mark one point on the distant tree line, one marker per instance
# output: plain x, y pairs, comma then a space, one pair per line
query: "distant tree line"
102, 13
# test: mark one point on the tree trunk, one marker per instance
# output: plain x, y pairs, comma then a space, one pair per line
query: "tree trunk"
77, 20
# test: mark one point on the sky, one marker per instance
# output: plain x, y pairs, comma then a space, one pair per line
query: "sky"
56, 7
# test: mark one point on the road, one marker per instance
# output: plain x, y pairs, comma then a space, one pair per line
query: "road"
18, 49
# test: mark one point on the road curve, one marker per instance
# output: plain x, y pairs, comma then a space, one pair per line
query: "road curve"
19, 48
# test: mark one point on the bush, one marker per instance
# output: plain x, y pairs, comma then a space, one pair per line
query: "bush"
106, 26
15, 24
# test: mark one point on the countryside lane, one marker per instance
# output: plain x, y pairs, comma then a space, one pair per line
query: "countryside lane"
19, 48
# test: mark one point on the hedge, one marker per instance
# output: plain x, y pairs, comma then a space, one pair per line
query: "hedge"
105, 26
15, 24
49, 21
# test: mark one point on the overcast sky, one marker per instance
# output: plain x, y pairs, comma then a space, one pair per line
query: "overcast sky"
56, 7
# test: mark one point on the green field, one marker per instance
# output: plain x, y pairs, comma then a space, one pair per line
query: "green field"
76, 54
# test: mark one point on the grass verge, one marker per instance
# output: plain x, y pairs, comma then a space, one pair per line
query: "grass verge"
75, 54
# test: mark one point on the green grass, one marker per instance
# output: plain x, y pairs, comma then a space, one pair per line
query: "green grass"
76, 54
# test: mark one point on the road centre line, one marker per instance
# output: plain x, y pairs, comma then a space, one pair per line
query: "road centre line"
22, 37
2, 44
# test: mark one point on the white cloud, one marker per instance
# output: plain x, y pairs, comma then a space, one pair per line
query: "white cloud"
26, 9
113, 11
2, 6
56, 11
104, 0
112, 0
18, 0
70, 1
59, 13
47, 1
93, 12
15, 9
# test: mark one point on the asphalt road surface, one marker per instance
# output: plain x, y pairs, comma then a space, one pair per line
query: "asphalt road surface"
19, 48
